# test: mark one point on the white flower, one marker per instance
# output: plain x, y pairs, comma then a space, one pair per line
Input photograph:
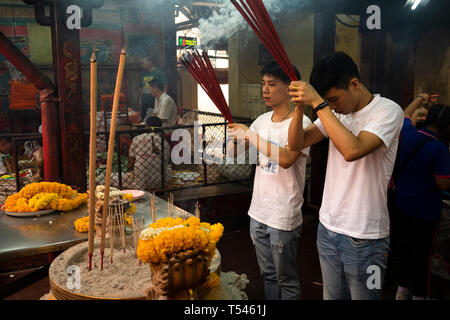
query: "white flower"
150, 233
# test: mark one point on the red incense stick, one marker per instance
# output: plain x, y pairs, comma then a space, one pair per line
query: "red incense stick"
256, 15
200, 67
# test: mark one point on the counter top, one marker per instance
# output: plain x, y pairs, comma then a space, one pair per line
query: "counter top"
28, 236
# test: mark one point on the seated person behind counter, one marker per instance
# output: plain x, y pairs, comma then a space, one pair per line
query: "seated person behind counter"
165, 107
29, 150
145, 158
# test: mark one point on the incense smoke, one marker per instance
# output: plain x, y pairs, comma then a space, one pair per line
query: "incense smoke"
229, 21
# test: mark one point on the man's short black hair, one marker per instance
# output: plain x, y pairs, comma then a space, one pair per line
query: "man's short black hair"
155, 83
273, 69
333, 71
153, 122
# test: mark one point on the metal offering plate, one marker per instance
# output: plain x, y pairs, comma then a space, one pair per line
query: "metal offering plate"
28, 214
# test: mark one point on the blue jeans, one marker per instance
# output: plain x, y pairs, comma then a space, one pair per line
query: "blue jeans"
351, 268
276, 251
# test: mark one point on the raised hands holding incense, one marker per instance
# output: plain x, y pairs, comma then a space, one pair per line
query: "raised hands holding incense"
303, 94
237, 132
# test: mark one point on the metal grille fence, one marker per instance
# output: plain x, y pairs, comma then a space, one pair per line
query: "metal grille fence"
23, 155
153, 151
149, 159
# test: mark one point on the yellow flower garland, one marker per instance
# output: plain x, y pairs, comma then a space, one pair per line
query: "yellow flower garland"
45, 195
171, 235
127, 196
82, 224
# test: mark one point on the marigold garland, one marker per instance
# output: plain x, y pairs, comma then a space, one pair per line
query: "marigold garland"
127, 196
82, 224
170, 235
45, 195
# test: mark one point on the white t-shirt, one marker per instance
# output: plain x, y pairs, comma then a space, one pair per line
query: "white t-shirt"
278, 193
166, 109
355, 193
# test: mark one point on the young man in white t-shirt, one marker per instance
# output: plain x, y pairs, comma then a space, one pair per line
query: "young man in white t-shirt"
275, 210
165, 107
353, 234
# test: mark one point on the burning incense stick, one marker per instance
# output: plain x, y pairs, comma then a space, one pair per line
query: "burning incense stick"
256, 15
92, 154
109, 159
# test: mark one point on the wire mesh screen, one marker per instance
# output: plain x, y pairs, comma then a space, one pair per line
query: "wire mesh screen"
219, 168
141, 161
170, 158
21, 162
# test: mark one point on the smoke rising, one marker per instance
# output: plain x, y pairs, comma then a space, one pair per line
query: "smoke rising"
229, 21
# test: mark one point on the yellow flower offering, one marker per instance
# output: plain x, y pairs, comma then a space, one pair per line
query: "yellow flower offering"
171, 235
127, 196
82, 224
45, 195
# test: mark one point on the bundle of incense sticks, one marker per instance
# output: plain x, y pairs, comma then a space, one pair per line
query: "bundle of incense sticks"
119, 213
138, 225
201, 69
116, 222
256, 15
112, 227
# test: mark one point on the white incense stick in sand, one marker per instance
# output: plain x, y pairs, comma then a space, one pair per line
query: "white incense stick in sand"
122, 215
134, 226
152, 207
119, 212
170, 204
112, 219
197, 210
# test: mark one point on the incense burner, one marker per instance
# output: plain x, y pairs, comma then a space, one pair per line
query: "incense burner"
174, 276
124, 279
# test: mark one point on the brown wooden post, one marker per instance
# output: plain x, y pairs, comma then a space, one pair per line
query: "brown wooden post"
67, 74
67, 70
